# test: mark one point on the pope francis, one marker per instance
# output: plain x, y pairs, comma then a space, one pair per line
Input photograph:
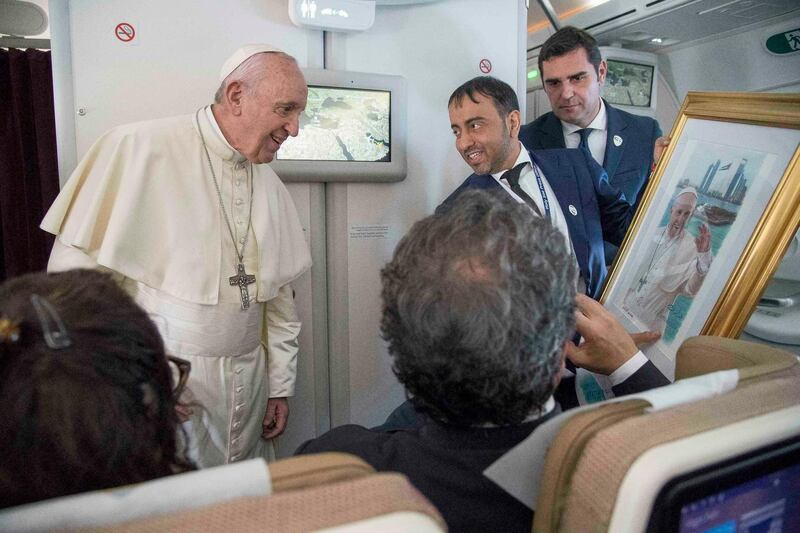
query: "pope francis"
206, 238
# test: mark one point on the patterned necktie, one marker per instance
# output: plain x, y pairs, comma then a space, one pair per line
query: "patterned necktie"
512, 178
584, 144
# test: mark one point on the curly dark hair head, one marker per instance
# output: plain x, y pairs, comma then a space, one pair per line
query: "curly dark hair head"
98, 413
477, 304
566, 40
503, 96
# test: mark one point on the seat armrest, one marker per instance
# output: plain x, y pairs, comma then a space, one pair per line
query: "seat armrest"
704, 354
316, 469
311, 509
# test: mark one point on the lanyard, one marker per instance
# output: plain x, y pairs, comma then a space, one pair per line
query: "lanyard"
545, 201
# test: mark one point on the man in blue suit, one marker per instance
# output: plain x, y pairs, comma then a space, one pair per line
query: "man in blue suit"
566, 186
573, 73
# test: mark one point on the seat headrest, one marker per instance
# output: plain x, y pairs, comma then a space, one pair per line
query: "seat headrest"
173, 493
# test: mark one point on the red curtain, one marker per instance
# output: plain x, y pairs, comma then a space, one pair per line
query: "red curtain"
28, 162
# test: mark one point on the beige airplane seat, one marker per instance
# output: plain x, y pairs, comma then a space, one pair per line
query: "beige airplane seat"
607, 465
333, 491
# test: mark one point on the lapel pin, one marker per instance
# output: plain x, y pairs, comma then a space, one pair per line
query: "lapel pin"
573, 211
617, 140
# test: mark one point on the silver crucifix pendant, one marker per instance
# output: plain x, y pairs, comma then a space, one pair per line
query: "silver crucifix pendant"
243, 279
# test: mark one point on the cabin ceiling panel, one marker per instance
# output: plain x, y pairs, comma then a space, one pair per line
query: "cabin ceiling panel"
634, 24
695, 21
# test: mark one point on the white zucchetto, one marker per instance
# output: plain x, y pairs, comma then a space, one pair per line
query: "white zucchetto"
243, 54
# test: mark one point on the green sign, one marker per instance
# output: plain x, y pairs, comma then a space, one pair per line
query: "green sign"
786, 42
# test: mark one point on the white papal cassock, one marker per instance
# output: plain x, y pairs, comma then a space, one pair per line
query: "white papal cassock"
142, 204
672, 267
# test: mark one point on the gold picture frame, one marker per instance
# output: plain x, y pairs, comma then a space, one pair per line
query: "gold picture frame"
748, 144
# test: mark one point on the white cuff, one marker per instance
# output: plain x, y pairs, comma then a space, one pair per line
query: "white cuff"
282, 327
629, 368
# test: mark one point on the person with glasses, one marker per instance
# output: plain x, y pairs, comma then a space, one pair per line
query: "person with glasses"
86, 391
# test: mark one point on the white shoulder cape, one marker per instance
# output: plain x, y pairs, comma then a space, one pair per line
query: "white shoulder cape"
142, 203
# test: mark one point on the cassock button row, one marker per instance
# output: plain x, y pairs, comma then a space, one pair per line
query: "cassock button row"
238, 370
239, 389
239, 201
239, 221
241, 241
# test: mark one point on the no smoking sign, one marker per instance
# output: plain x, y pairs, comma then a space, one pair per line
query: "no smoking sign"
485, 65
125, 32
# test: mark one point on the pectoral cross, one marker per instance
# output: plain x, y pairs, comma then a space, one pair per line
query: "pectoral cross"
243, 279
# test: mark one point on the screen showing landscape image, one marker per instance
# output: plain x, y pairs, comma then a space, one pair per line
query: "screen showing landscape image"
342, 125
628, 83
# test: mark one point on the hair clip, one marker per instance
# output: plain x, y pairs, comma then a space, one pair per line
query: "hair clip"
9, 331
56, 338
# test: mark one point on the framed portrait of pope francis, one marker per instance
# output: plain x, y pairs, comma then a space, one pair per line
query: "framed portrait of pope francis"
717, 216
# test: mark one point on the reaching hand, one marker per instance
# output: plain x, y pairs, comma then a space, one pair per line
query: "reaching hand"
607, 346
703, 241
658, 149
275, 418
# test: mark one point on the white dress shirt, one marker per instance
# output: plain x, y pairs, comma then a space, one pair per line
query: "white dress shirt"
597, 137
527, 181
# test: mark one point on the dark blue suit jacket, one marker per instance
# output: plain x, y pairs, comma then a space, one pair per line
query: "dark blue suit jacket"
446, 463
627, 165
580, 185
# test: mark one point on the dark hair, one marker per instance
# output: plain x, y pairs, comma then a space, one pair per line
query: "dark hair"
501, 93
566, 40
95, 414
477, 304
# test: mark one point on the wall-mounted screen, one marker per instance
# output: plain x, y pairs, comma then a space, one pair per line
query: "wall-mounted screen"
628, 83
342, 125
631, 80
353, 129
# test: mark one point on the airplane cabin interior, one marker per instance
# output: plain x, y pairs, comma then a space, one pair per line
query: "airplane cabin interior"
716, 450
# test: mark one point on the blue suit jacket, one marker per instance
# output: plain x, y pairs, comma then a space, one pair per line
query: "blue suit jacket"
580, 185
627, 165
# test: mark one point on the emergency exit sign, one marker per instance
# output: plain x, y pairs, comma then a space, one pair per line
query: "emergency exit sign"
786, 42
